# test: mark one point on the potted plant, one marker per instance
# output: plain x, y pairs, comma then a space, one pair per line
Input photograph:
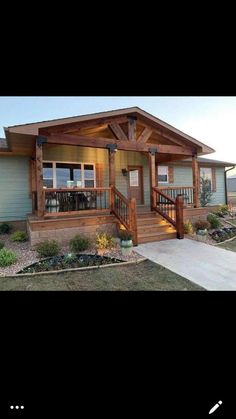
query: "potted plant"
126, 241
201, 227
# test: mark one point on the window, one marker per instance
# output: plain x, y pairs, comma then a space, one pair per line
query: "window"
47, 175
163, 174
206, 173
62, 175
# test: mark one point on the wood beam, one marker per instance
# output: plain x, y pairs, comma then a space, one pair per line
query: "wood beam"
118, 131
132, 126
196, 191
144, 137
152, 172
63, 128
112, 169
39, 178
100, 142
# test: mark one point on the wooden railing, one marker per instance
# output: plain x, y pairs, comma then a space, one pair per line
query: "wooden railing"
170, 209
64, 201
185, 191
125, 210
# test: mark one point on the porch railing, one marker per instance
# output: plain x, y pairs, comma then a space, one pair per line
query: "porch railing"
170, 209
64, 201
125, 210
185, 191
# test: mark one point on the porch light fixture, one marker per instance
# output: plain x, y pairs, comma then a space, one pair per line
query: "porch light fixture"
153, 151
112, 148
124, 172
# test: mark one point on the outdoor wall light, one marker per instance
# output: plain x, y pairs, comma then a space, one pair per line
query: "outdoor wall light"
112, 147
124, 172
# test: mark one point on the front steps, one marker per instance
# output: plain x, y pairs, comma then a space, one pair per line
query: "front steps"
151, 227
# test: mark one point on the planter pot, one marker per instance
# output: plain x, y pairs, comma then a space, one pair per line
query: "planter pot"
201, 235
126, 251
126, 243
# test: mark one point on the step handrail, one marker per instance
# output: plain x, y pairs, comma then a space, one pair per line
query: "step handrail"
125, 211
170, 209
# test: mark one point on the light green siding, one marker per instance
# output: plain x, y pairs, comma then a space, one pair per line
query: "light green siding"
183, 177
182, 174
15, 202
123, 159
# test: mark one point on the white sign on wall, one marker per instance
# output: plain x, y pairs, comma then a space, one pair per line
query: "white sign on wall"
133, 178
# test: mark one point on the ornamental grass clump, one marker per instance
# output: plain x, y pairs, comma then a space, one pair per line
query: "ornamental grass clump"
201, 225
79, 244
19, 236
213, 220
48, 248
7, 257
188, 227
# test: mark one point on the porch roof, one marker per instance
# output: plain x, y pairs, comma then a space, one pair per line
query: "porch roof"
21, 138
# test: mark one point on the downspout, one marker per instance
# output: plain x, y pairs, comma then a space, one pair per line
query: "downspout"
226, 194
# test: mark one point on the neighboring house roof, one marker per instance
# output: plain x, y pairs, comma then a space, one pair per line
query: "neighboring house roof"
33, 128
3, 143
231, 184
212, 162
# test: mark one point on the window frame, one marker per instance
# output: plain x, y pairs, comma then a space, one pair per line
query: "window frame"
55, 162
211, 179
167, 175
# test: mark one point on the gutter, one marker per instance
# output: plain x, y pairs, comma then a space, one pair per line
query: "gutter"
226, 192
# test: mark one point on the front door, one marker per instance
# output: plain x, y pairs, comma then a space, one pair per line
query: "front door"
135, 183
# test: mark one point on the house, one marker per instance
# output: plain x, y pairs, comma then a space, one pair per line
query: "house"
117, 169
231, 188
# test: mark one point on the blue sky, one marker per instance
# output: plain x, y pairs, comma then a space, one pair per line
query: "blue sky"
211, 120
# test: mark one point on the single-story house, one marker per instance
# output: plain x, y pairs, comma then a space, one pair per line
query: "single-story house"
117, 169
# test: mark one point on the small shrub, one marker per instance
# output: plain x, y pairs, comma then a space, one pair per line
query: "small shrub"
104, 241
48, 248
78, 244
7, 257
5, 228
19, 236
125, 235
1, 245
201, 225
223, 209
213, 220
188, 227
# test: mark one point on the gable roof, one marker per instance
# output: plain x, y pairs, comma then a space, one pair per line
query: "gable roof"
33, 128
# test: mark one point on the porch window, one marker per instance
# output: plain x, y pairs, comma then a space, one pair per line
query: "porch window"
48, 175
163, 174
206, 173
61, 175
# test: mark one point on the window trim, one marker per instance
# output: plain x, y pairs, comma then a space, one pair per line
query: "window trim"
54, 163
210, 168
167, 174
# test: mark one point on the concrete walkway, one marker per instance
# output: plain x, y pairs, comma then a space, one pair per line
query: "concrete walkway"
208, 266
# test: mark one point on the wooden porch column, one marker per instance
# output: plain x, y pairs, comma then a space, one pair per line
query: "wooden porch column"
152, 172
39, 176
195, 170
112, 148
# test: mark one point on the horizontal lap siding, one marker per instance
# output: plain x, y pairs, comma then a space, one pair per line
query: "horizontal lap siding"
123, 159
183, 177
15, 202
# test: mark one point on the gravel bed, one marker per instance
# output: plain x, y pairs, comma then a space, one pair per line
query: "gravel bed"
26, 255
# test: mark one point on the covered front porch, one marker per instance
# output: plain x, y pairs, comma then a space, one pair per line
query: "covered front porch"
107, 165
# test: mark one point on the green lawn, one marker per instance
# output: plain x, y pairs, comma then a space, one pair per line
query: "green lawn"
229, 246
146, 276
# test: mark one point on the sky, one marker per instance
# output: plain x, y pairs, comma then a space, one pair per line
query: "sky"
211, 120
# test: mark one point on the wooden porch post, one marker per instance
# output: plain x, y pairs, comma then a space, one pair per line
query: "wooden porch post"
152, 172
195, 171
112, 171
39, 176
